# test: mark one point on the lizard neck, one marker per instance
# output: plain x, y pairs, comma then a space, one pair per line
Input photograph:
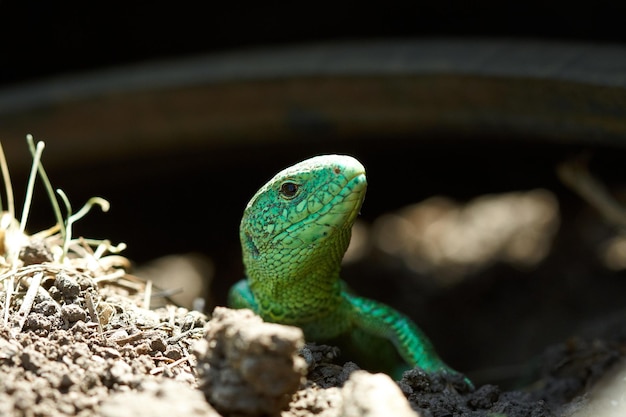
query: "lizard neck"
299, 288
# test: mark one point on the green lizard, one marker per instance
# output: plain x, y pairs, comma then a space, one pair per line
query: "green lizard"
294, 233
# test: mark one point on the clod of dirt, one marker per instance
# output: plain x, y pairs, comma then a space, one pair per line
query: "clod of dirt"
35, 252
373, 395
247, 366
165, 399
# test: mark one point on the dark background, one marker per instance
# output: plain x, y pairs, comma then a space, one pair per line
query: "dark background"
49, 38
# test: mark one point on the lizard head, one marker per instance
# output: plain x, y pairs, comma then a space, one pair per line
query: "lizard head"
303, 216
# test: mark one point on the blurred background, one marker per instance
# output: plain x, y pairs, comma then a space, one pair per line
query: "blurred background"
460, 113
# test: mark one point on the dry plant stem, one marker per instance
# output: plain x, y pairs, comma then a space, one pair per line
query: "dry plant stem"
68, 226
84, 248
7, 183
147, 295
31, 185
44, 267
72, 218
575, 174
178, 362
132, 338
111, 277
102, 247
7, 302
114, 261
160, 369
105, 246
175, 339
162, 359
27, 303
47, 184
46, 233
93, 313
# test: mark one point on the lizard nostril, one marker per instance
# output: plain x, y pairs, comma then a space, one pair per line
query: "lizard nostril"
337, 170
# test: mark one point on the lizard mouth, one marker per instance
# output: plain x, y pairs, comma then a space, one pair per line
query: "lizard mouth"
356, 188
341, 211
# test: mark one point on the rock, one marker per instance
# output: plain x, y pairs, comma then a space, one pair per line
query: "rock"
248, 366
373, 395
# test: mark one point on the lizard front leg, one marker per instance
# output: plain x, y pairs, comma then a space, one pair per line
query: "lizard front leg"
240, 296
383, 321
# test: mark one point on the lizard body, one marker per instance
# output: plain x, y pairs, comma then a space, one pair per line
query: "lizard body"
294, 233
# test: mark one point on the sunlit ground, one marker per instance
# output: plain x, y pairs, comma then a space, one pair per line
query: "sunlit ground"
450, 241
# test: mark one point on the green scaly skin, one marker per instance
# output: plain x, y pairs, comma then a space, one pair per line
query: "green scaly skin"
294, 233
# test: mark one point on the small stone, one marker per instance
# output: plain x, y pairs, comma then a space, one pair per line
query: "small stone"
158, 345
173, 353
73, 313
68, 287
36, 252
32, 360
374, 395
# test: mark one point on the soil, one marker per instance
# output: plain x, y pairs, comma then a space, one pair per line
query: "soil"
77, 339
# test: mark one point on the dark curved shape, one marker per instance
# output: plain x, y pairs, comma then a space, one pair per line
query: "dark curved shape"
528, 89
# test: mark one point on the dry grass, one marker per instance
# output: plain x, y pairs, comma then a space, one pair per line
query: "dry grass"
29, 262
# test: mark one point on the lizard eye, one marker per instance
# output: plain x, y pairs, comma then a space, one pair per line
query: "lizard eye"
289, 189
